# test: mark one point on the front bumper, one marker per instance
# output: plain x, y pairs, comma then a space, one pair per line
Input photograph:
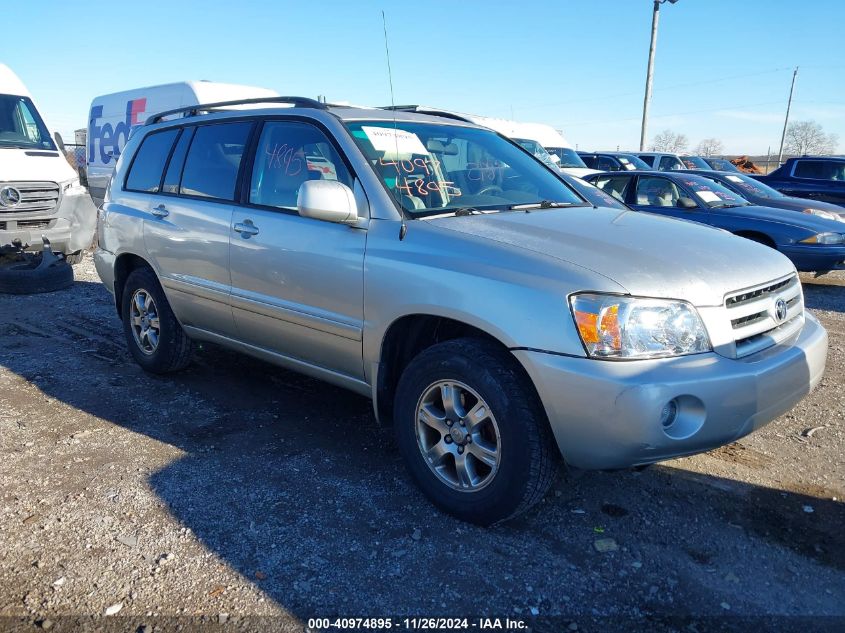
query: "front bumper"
815, 257
606, 414
71, 226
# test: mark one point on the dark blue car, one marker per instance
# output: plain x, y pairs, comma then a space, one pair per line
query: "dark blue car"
819, 178
811, 242
757, 192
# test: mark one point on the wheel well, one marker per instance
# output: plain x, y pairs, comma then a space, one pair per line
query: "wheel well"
124, 265
760, 238
406, 338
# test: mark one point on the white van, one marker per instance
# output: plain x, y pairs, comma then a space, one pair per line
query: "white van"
114, 116
40, 194
542, 140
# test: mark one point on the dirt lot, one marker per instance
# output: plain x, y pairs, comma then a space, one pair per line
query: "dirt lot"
236, 489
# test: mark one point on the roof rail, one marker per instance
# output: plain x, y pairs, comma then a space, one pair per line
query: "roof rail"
446, 114
193, 110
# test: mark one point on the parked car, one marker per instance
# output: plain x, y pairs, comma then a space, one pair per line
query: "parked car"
498, 321
816, 177
40, 193
695, 162
612, 161
759, 193
812, 243
721, 164
661, 161
593, 194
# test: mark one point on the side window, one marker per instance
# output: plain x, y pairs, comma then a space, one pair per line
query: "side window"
819, 170
614, 185
177, 161
670, 163
211, 167
657, 192
288, 154
148, 164
648, 160
606, 164
589, 161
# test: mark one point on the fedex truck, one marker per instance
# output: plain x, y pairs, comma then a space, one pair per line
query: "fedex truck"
114, 116
40, 194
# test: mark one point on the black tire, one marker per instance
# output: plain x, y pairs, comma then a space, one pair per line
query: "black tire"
75, 258
174, 348
25, 278
529, 460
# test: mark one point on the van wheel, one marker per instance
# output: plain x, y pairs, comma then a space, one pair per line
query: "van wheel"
156, 340
473, 434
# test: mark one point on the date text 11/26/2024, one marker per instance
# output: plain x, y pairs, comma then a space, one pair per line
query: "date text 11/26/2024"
416, 624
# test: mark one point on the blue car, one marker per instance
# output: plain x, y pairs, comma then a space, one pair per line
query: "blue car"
813, 243
819, 178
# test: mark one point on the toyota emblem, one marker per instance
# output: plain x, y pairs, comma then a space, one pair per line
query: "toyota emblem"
780, 310
9, 196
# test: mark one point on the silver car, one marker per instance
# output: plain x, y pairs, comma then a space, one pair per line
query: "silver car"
502, 324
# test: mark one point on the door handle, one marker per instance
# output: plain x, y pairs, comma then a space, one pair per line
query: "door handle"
246, 229
160, 211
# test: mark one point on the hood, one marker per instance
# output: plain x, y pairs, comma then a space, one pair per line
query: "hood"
580, 172
799, 204
648, 255
810, 223
33, 164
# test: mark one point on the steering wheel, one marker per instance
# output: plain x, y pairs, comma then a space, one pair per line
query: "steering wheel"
490, 189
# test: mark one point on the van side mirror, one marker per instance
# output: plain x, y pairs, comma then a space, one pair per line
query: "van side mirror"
327, 200
59, 141
687, 203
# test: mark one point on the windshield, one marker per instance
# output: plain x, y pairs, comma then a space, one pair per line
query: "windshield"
431, 168
752, 186
712, 194
538, 150
568, 157
21, 126
629, 161
722, 164
695, 162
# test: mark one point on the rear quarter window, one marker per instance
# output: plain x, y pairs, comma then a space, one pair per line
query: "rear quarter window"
148, 164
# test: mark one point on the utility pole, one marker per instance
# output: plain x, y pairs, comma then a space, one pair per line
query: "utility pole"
786, 120
649, 74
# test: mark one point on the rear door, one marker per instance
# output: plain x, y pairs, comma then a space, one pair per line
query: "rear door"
297, 283
187, 233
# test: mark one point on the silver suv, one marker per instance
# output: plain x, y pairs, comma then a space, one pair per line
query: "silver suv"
497, 320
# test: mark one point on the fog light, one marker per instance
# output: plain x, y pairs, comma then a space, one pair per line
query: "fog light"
669, 413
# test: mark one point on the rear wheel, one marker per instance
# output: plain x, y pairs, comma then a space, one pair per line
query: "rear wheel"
472, 432
156, 340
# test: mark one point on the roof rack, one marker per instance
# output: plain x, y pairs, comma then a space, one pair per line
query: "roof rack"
193, 110
446, 114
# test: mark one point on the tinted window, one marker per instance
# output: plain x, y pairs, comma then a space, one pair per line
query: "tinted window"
211, 168
288, 154
820, 170
145, 173
589, 161
606, 164
177, 160
670, 163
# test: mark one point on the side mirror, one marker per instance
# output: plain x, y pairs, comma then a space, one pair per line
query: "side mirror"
687, 203
59, 141
327, 200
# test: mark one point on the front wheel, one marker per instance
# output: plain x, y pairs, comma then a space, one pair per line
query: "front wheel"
155, 338
473, 434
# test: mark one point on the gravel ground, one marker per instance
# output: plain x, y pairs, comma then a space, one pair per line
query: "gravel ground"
236, 490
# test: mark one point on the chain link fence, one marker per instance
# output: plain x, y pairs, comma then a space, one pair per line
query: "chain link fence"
75, 155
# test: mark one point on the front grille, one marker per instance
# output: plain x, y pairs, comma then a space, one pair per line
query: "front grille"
753, 314
35, 196
34, 224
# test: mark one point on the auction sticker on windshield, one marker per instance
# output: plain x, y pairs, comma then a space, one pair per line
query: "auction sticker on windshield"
708, 196
394, 140
734, 178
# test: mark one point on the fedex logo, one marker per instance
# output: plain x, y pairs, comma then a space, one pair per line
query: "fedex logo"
108, 140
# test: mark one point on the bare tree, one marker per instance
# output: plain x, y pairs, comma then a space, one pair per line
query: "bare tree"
709, 147
669, 141
808, 137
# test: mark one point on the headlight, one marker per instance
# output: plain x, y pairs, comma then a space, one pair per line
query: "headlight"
615, 327
827, 215
824, 238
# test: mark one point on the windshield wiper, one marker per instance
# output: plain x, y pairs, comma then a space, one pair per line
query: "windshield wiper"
543, 204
